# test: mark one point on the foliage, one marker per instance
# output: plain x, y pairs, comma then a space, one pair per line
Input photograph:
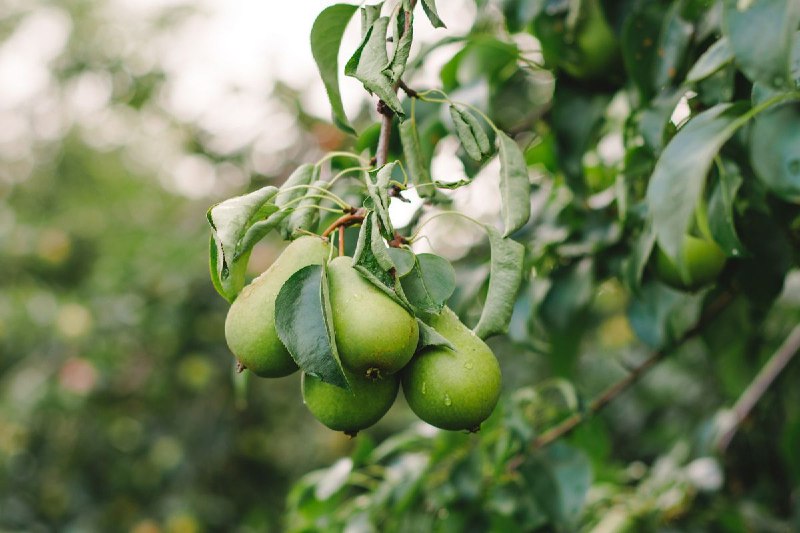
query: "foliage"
119, 408
647, 125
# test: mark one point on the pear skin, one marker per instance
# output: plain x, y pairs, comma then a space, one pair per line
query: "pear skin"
350, 411
704, 261
250, 324
453, 389
375, 336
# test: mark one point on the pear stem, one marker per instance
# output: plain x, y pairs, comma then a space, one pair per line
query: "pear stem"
341, 241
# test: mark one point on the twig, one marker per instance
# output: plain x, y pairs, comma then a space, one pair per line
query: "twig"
345, 220
570, 423
750, 397
382, 152
406, 89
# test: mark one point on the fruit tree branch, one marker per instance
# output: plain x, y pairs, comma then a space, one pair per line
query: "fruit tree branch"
750, 397
608, 395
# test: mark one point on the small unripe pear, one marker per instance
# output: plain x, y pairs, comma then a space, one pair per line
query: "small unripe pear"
703, 261
250, 325
350, 411
453, 389
375, 336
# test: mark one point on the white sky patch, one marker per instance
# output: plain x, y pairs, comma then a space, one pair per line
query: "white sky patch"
26, 54
682, 110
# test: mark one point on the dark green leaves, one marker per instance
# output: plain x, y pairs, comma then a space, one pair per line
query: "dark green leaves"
558, 481
775, 149
326, 37
717, 56
369, 62
515, 187
304, 326
654, 45
761, 33
677, 182
429, 6
505, 277
429, 283
721, 214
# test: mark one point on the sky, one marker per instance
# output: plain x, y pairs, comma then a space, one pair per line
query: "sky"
221, 64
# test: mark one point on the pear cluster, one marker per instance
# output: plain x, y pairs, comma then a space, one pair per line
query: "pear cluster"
377, 342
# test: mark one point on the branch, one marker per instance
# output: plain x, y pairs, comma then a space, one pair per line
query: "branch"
345, 220
750, 397
608, 395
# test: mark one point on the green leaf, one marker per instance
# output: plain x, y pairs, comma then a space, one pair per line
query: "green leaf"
637, 260
478, 133
305, 215
659, 314
257, 231
674, 41
214, 256
326, 38
452, 185
231, 218
300, 320
303, 175
430, 337
465, 134
369, 14
505, 277
394, 70
761, 34
655, 117
572, 473
775, 149
378, 189
229, 221
368, 62
679, 176
717, 56
430, 283
429, 6
371, 258
640, 34
403, 260
515, 187
415, 163
720, 212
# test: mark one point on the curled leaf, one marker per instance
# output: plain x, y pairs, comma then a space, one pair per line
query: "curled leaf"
505, 277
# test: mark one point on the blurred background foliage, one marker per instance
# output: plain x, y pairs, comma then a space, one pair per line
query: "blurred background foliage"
119, 407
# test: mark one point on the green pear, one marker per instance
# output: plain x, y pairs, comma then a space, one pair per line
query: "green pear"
703, 260
375, 336
453, 389
250, 325
349, 411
